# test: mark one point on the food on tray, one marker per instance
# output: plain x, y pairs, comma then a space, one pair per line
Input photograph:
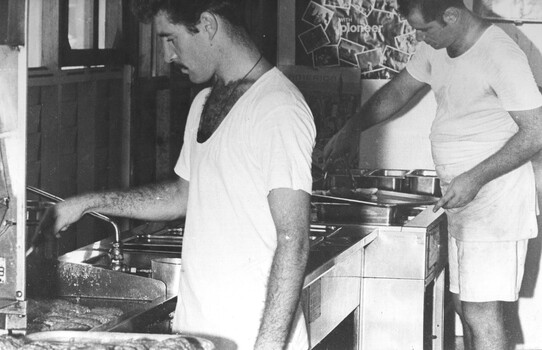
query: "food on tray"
181, 343
10, 343
42, 345
175, 342
59, 314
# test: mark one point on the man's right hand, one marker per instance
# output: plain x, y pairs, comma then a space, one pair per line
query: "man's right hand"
343, 145
57, 218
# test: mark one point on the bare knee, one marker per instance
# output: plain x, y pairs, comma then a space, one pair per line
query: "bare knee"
484, 319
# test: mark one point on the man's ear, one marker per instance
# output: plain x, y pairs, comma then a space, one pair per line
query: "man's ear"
451, 15
208, 23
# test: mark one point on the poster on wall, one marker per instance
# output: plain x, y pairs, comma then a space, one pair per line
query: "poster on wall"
515, 10
369, 35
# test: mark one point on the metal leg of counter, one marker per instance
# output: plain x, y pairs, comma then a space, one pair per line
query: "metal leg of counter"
438, 311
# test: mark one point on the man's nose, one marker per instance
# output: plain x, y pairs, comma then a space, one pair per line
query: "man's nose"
169, 52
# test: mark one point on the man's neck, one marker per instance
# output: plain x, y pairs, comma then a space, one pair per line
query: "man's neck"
474, 28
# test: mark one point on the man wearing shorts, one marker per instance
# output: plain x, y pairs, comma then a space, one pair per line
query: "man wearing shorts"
488, 125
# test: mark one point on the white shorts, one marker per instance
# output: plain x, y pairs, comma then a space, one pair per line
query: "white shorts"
486, 271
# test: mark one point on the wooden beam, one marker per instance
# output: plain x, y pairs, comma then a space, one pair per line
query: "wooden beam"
50, 30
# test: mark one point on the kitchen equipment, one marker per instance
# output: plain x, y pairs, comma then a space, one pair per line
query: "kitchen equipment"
423, 181
387, 179
164, 240
348, 178
381, 208
404, 285
167, 270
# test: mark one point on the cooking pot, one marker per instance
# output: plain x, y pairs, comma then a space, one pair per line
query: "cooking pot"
167, 270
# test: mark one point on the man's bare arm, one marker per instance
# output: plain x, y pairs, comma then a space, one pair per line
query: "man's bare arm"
383, 105
290, 210
519, 149
157, 202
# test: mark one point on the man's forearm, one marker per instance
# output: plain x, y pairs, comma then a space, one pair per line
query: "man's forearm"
283, 293
162, 201
517, 151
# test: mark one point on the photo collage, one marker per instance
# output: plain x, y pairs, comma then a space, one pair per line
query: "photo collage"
367, 34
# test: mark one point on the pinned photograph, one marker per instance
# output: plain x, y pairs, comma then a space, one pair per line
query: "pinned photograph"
379, 73
326, 56
406, 42
371, 60
386, 5
363, 6
343, 4
395, 59
348, 51
313, 38
317, 15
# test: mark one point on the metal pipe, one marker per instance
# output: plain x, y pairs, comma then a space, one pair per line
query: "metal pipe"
92, 213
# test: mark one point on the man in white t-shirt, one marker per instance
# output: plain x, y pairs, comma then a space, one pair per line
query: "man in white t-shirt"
488, 125
244, 183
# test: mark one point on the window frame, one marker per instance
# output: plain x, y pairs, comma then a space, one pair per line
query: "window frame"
68, 57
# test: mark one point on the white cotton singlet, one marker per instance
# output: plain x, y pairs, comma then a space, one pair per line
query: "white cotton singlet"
474, 93
265, 142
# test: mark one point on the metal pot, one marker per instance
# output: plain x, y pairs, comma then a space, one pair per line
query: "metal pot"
167, 270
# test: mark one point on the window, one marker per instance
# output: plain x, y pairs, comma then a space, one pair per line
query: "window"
91, 32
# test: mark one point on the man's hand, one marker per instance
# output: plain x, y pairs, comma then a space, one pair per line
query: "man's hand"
343, 145
461, 191
57, 218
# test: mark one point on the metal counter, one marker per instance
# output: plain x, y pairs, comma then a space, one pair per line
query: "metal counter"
331, 289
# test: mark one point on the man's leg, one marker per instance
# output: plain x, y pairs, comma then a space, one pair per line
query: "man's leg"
467, 333
486, 323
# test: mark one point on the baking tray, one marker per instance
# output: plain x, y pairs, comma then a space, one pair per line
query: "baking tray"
110, 339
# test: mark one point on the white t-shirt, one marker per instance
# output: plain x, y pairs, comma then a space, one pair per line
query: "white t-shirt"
264, 143
474, 91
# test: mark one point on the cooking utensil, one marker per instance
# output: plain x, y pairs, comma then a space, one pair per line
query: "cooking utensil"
167, 270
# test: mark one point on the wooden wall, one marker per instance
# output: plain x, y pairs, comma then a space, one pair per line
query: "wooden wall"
74, 139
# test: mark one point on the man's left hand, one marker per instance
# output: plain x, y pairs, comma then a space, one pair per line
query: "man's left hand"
461, 191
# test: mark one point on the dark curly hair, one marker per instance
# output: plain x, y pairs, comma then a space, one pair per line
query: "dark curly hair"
188, 12
431, 10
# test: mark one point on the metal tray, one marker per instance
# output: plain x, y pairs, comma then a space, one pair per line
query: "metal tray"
387, 179
111, 339
423, 181
347, 178
357, 213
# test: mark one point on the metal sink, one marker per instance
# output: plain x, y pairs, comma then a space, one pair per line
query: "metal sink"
136, 261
